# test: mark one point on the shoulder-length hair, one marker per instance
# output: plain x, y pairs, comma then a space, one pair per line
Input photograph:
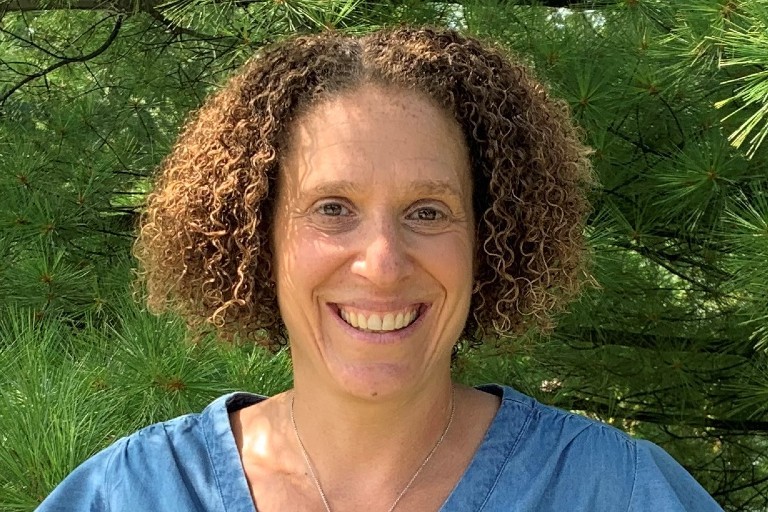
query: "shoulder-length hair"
204, 241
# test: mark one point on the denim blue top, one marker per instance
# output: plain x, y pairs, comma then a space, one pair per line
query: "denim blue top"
533, 458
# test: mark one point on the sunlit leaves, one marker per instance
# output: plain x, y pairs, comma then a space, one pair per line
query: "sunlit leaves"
746, 229
69, 391
52, 417
695, 184
256, 23
745, 45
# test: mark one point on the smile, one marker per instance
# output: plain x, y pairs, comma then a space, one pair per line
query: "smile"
380, 321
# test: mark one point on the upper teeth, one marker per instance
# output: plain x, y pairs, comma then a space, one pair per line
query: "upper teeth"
379, 321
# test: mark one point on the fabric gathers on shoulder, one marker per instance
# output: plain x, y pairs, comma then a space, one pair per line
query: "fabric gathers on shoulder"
534, 458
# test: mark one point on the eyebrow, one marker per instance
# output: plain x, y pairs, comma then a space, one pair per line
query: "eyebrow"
340, 187
421, 187
436, 187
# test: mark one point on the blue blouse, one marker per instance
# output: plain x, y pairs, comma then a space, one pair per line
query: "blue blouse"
533, 458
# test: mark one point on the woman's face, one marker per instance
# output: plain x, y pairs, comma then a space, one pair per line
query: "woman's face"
373, 242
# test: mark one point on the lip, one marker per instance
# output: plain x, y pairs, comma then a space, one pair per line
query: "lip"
382, 337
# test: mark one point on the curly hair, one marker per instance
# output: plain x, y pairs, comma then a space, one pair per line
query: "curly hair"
204, 242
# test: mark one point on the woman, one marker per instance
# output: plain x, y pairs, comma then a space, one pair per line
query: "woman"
374, 201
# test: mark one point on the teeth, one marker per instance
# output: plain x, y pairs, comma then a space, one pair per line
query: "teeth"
374, 322
378, 322
388, 324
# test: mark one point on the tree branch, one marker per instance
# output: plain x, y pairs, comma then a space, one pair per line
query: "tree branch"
611, 337
131, 6
739, 425
90, 5
68, 60
122, 6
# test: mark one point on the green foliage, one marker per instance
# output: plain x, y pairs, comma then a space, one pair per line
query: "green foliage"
670, 344
70, 390
744, 51
51, 417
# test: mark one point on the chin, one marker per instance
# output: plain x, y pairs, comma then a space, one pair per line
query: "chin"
378, 381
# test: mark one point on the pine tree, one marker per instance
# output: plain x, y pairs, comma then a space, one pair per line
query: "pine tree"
670, 344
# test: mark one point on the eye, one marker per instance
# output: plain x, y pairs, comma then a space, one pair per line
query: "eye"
333, 215
332, 209
428, 214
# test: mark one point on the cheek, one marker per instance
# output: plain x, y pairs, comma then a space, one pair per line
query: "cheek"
451, 261
305, 258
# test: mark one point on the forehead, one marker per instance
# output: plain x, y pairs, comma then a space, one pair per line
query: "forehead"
377, 135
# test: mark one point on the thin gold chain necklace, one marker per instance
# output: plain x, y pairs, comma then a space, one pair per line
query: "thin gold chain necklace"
410, 482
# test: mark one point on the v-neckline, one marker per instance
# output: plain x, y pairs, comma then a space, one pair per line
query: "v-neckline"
470, 493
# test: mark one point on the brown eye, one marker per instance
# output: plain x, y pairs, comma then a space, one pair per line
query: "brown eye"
332, 209
427, 214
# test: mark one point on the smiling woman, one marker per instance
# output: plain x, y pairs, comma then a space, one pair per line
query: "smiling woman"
373, 223
372, 202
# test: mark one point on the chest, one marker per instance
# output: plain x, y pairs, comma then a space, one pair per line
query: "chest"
277, 492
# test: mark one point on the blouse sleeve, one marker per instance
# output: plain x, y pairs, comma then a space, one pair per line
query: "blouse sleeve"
662, 484
83, 490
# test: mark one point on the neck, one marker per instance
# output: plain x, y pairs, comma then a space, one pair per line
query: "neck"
379, 440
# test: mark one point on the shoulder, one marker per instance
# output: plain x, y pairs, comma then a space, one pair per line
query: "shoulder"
556, 431
568, 445
660, 479
574, 462
158, 465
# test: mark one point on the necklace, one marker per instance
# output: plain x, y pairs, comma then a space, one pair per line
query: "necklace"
410, 482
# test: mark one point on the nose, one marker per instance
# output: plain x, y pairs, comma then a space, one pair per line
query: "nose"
383, 259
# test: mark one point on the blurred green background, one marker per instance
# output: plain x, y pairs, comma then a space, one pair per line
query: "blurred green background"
670, 345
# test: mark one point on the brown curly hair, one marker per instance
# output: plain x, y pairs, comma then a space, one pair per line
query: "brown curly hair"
204, 243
